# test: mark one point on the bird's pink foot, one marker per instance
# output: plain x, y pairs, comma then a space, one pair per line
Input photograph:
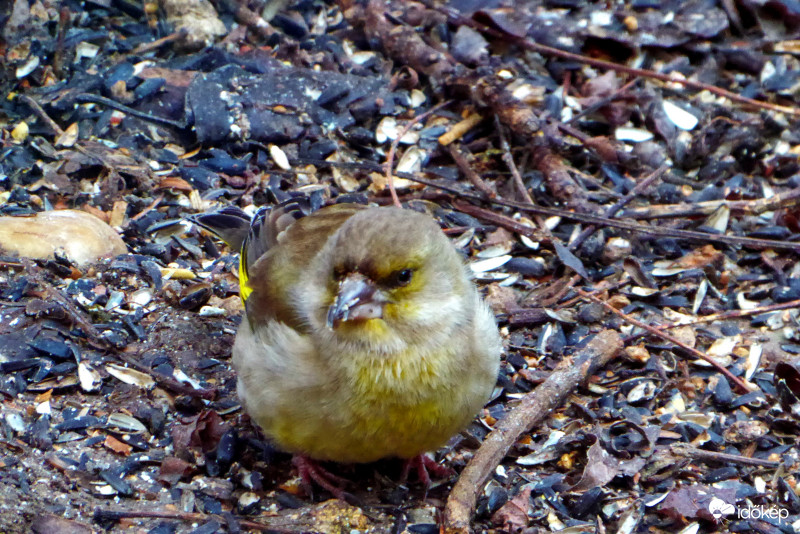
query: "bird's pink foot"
425, 466
311, 473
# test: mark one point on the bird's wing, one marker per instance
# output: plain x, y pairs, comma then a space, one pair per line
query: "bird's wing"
271, 278
275, 248
269, 225
252, 237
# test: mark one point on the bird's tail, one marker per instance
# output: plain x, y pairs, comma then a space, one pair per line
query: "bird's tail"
229, 224
252, 237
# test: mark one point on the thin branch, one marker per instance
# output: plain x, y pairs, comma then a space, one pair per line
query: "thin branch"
531, 411
619, 93
500, 220
396, 141
618, 205
655, 231
508, 159
471, 175
117, 515
684, 449
743, 387
724, 316
86, 98
76, 315
748, 207
34, 105
158, 43
460, 20
248, 17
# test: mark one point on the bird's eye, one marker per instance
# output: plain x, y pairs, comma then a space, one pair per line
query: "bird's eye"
403, 277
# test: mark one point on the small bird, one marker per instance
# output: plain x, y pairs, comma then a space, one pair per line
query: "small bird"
363, 337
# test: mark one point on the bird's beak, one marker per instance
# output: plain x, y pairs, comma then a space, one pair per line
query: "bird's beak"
356, 299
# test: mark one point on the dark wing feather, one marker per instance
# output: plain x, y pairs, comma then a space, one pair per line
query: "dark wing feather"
229, 224
269, 225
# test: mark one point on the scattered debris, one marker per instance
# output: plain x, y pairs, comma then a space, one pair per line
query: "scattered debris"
628, 173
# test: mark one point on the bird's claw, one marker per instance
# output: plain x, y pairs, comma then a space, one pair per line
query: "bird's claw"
425, 466
311, 473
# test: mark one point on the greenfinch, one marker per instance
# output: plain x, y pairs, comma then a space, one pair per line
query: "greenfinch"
363, 337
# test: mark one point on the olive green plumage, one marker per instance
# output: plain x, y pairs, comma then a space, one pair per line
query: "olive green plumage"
364, 336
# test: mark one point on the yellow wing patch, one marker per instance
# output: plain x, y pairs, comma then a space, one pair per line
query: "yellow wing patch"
244, 287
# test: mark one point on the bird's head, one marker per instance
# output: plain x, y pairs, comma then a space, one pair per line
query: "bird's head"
392, 274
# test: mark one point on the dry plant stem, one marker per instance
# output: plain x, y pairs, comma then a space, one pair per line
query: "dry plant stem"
396, 141
747, 207
743, 388
531, 411
723, 316
559, 294
58, 54
114, 515
508, 159
500, 220
248, 17
37, 109
153, 205
76, 315
86, 98
158, 43
559, 180
684, 449
618, 205
654, 231
733, 15
601, 64
619, 93
460, 129
471, 175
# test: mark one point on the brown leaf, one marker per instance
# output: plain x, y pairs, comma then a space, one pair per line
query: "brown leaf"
600, 468
513, 515
200, 432
174, 469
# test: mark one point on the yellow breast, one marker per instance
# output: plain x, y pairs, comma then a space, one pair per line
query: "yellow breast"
394, 407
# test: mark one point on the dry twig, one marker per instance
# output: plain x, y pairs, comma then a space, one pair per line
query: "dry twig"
684, 449
471, 175
76, 315
743, 387
528, 44
37, 109
747, 207
724, 316
115, 515
654, 231
248, 17
396, 141
508, 159
618, 205
532, 410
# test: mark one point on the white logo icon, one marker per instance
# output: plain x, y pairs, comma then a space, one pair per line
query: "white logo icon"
718, 508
